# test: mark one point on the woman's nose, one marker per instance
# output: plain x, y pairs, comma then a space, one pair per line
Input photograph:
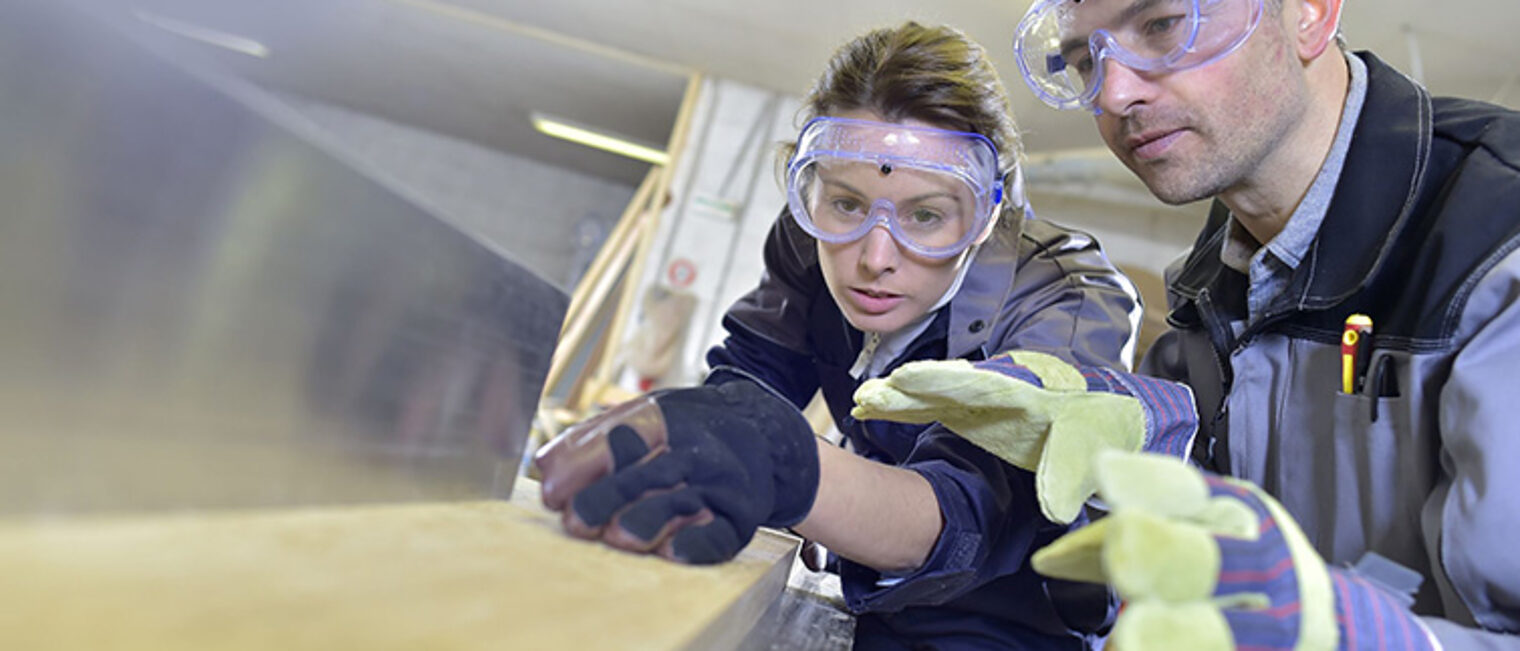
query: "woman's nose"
879, 253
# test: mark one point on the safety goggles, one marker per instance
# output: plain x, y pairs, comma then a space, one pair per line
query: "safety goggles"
1061, 44
934, 190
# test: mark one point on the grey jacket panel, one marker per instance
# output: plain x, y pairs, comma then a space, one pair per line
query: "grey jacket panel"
1472, 519
1064, 300
1422, 466
1418, 466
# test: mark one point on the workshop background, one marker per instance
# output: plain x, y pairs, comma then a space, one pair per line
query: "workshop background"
227, 219
442, 97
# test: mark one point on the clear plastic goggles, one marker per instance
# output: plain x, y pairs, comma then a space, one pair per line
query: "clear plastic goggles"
1061, 44
934, 190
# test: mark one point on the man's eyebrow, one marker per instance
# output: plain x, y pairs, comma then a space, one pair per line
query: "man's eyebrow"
1137, 8
1124, 16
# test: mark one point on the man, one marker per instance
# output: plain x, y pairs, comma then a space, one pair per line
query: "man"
1340, 187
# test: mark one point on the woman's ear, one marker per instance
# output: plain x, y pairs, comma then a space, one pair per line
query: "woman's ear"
1318, 23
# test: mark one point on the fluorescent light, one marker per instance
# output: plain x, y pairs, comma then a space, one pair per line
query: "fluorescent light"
239, 44
584, 136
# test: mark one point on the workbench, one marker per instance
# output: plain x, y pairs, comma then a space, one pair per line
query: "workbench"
458, 575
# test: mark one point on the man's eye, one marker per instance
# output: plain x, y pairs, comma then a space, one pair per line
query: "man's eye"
1162, 26
1084, 66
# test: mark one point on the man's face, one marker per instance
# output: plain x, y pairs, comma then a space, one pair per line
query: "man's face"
1196, 133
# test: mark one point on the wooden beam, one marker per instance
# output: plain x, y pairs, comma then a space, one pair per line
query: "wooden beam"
610, 363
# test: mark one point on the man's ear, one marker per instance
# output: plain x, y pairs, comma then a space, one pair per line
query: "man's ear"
1318, 22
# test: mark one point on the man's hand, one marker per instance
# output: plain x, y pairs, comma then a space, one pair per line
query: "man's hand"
1210, 562
1040, 414
688, 474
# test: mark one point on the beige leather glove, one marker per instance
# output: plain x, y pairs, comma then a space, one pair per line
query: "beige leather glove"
1210, 562
1038, 413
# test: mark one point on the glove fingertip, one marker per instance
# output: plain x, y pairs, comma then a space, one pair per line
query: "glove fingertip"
1149, 556
1058, 509
914, 373
706, 544
591, 508
1076, 556
650, 519
1061, 491
1149, 481
626, 445
1063, 482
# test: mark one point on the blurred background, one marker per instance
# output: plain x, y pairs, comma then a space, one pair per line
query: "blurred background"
442, 96
298, 253
619, 155
495, 117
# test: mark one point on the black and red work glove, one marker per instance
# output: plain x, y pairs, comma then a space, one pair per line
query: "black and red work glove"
687, 473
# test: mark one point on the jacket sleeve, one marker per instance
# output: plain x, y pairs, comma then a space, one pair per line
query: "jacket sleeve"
1068, 300
992, 525
768, 327
1472, 519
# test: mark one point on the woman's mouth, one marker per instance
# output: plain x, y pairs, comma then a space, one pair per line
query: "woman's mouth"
874, 301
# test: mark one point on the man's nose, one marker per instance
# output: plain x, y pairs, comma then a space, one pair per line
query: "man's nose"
1122, 88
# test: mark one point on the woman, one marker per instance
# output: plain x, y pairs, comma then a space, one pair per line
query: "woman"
904, 239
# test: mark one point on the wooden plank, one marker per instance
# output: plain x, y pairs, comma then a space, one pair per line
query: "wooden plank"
468, 575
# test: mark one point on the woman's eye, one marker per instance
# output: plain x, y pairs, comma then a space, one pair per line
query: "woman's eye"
923, 217
847, 206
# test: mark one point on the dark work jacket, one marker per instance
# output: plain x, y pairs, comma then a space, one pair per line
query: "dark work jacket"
1039, 287
1420, 464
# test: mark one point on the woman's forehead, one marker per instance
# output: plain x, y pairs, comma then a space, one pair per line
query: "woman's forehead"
926, 140
868, 115
867, 176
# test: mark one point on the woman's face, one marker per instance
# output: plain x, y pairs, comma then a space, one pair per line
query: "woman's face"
880, 286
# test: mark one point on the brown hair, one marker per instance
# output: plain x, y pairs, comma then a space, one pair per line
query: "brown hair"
933, 74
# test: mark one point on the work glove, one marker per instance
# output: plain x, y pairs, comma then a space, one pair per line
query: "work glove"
1209, 562
1040, 414
688, 473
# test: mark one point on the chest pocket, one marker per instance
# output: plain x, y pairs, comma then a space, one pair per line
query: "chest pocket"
1386, 460
1353, 469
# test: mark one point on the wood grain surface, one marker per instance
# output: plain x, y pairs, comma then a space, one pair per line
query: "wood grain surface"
471, 575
